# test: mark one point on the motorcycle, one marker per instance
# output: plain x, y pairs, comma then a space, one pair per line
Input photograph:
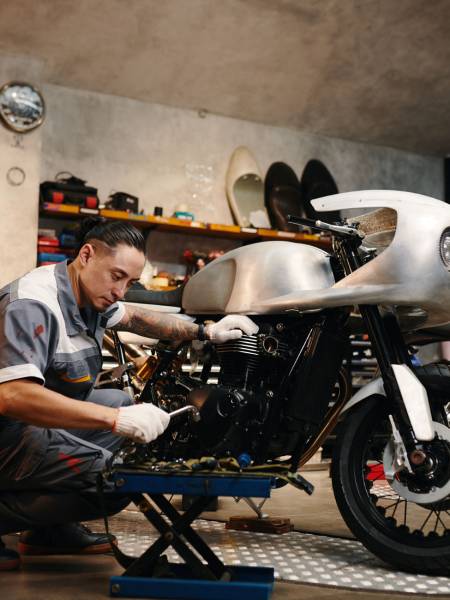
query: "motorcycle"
272, 398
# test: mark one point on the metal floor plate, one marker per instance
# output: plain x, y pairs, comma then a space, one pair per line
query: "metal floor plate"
297, 557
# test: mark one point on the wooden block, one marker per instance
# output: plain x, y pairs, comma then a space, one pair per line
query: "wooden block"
269, 525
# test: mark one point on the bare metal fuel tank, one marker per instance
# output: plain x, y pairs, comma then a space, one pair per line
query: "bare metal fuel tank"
248, 275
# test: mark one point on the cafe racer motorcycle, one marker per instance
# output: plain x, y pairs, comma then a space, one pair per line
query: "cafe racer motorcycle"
274, 397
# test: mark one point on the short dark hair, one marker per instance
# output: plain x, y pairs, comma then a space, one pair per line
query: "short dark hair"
111, 233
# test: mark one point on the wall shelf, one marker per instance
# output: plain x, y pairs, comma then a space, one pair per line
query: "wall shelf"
67, 211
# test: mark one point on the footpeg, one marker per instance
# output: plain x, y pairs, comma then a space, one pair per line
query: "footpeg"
300, 482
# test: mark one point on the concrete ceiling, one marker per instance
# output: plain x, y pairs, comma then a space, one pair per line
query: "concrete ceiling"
369, 70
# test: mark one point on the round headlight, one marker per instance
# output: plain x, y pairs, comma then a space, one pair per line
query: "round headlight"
444, 247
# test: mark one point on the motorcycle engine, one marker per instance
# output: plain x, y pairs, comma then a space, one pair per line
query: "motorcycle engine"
234, 411
245, 362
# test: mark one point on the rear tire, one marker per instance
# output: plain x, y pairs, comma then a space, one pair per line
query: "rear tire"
406, 535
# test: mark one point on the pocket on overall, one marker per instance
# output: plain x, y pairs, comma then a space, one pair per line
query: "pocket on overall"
23, 449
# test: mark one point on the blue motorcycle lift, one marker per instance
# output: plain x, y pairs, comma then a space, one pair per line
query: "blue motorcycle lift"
148, 576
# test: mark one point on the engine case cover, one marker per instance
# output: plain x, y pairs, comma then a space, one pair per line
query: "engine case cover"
248, 275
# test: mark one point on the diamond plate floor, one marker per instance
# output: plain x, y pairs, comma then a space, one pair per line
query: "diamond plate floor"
319, 560
297, 557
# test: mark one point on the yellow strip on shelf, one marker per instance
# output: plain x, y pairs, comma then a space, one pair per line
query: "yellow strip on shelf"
225, 228
61, 208
115, 214
268, 232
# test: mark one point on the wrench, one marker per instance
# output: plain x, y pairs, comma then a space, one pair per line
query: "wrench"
184, 410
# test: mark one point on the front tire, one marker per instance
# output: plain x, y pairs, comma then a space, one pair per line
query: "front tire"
413, 537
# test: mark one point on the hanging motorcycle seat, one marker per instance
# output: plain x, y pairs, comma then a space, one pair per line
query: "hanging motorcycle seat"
282, 196
316, 182
245, 190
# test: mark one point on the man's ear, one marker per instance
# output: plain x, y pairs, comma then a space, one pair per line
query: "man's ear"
86, 253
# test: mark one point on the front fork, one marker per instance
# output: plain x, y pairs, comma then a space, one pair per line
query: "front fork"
408, 399
409, 405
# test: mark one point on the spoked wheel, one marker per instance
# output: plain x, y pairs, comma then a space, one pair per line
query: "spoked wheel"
413, 535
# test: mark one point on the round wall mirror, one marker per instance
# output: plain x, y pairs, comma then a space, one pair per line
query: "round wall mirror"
22, 106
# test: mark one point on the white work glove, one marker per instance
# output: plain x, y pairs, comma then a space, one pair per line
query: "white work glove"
141, 422
230, 327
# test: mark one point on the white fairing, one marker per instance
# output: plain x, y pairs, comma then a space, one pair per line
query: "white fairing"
415, 399
237, 281
374, 387
409, 273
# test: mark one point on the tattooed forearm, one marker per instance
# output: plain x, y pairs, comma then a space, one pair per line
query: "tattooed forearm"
156, 325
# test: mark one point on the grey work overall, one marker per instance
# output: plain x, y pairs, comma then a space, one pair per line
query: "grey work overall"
47, 476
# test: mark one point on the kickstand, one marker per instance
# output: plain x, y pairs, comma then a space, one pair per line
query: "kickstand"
262, 522
257, 507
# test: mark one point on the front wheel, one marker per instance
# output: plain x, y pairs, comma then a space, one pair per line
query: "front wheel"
409, 535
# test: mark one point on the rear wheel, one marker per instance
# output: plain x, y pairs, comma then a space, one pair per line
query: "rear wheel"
411, 535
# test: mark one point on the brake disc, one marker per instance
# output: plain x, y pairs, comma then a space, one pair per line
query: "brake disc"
435, 494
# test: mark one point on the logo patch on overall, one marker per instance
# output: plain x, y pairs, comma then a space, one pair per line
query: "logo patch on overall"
82, 379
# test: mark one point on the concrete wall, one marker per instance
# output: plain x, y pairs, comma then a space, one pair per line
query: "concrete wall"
18, 203
168, 156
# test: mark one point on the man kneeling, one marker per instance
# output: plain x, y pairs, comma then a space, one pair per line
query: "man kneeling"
56, 431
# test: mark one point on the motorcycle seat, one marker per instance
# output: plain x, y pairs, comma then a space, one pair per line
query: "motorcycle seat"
138, 293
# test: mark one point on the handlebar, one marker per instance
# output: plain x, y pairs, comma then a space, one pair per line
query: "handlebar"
343, 231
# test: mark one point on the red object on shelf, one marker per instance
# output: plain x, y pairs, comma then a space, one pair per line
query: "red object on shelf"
56, 250
91, 202
48, 241
49, 249
57, 197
